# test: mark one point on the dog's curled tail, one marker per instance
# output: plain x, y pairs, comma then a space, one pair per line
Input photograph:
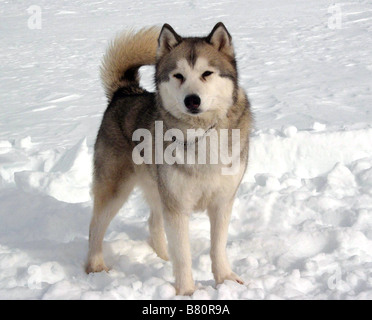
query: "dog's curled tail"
125, 55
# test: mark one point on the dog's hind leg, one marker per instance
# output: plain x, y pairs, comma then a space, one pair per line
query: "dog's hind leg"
157, 239
108, 199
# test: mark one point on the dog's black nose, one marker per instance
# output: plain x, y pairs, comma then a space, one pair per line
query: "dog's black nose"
192, 102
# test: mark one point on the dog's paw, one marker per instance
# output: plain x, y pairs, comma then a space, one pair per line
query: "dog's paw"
185, 291
92, 268
231, 276
163, 255
160, 249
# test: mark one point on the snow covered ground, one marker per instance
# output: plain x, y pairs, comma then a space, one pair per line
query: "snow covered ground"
302, 222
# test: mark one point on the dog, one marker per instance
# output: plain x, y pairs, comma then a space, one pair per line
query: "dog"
196, 81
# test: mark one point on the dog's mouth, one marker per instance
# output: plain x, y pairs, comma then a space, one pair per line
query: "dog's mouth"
194, 111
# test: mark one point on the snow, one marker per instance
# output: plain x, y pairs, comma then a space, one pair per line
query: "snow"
302, 222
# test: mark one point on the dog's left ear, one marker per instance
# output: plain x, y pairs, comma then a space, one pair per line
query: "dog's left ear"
221, 39
168, 39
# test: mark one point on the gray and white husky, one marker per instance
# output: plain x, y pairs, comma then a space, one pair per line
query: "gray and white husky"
196, 88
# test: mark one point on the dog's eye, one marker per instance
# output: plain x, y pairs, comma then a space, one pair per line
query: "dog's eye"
206, 74
179, 76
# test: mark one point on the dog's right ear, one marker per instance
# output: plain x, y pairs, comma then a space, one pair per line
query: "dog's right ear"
168, 39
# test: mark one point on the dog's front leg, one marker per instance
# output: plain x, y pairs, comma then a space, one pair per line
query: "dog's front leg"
177, 230
219, 214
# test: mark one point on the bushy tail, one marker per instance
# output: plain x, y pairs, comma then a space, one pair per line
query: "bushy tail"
125, 55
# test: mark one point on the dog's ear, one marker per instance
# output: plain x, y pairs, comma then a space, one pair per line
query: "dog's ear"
221, 39
168, 39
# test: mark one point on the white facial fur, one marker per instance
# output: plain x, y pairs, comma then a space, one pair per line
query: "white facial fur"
215, 92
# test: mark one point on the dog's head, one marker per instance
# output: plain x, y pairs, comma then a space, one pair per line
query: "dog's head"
196, 77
